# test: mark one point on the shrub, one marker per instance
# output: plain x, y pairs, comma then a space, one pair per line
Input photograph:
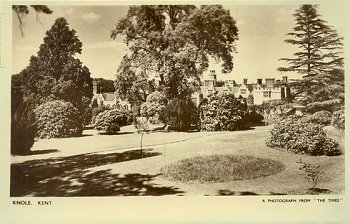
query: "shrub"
23, 128
58, 119
338, 119
254, 118
312, 172
154, 106
180, 114
295, 135
322, 117
223, 113
110, 121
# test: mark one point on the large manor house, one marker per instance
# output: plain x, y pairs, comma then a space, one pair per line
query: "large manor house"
255, 92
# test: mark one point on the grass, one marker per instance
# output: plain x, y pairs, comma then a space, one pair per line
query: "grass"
221, 168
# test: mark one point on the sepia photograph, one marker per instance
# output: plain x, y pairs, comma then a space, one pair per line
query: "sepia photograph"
122, 100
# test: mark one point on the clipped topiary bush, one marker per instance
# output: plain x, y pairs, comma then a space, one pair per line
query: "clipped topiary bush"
322, 117
58, 119
338, 119
110, 121
223, 113
295, 135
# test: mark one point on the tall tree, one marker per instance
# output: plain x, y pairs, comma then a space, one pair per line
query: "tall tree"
131, 86
55, 73
175, 42
318, 59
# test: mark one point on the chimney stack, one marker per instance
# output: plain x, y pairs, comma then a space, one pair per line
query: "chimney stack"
285, 79
245, 81
270, 83
212, 75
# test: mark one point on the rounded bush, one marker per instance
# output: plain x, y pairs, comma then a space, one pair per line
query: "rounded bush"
110, 121
295, 135
223, 113
58, 119
338, 119
320, 117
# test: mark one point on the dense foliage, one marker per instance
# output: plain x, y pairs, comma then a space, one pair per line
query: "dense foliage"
320, 117
180, 114
23, 128
295, 135
110, 121
223, 113
318, 59
338, 120
104, 85
254, 118
58, 119
172, 43
56, 74
154, 106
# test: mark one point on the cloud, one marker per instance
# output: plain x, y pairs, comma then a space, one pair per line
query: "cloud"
65, 12
104, 45
90, 16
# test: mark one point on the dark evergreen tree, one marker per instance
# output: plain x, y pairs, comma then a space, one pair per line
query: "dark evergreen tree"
55, 73
318, 60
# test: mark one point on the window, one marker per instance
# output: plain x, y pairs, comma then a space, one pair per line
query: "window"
267, 93
243, 91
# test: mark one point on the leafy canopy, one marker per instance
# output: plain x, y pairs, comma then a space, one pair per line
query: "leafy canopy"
173, 43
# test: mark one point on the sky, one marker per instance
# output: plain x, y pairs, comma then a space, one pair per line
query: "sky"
262, 30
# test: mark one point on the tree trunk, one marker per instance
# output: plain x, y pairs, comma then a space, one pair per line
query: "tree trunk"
141, 144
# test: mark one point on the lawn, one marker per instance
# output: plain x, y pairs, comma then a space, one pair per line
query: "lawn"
99, 165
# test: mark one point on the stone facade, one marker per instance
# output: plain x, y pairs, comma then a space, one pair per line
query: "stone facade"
109, 100
261, 92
